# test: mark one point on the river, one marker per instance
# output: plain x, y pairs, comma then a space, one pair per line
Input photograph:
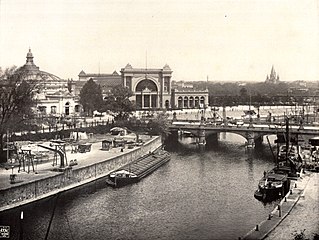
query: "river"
197, 195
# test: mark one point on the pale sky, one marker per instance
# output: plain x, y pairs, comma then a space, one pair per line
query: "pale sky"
225, 40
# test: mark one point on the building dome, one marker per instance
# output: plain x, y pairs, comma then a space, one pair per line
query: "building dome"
32, 72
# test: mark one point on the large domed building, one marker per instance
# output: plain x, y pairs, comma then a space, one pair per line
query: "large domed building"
54, 97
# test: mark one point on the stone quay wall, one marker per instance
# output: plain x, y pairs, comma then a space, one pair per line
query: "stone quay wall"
49, 185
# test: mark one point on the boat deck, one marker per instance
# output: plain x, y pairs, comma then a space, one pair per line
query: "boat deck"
146, 164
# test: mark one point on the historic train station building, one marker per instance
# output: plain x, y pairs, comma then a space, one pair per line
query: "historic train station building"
152, 88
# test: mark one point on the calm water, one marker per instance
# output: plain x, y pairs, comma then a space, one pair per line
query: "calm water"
197, 195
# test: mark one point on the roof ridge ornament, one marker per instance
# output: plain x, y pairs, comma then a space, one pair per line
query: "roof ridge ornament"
166, 67
128, 66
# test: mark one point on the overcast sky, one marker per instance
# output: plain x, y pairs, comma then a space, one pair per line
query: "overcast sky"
225, 40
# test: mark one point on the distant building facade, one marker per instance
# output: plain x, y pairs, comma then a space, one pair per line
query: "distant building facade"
54, 97
184, 96
152, 88
273, 77
106, 81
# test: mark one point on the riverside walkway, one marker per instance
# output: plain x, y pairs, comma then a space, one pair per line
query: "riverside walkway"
298, 211
14, 194
44, 169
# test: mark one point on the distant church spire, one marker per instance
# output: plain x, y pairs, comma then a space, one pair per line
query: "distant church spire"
273, 77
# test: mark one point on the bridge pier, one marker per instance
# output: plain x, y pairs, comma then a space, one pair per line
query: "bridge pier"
201, 137
212, 140
171, 139
258, 141
250, 140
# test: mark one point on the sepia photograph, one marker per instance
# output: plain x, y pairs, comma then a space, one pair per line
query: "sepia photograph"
158, 119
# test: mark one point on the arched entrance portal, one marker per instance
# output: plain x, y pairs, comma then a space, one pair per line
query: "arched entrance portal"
146, 94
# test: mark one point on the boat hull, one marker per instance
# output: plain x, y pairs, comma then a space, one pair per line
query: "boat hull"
276, 190
147, 165
268, 194
121, 181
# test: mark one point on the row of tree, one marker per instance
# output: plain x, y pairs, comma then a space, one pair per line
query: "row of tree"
260, 93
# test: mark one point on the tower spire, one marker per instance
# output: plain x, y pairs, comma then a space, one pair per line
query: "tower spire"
29, 57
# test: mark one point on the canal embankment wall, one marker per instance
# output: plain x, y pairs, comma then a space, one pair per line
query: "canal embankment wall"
53, 183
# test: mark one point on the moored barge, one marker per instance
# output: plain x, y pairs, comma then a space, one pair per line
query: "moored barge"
138, 169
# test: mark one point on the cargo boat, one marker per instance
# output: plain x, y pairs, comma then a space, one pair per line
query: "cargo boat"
272, 186
138, 169
276, 182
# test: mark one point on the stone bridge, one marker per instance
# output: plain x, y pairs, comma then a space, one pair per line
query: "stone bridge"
208, 132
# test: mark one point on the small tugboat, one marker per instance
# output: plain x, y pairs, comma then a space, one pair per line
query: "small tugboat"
272, 186
138, 169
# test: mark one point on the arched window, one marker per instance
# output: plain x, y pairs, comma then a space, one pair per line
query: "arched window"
146, 84
185, 102
180, 102
42, 109
67, 109
202, 101
77, 108
191, 102
196, 102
